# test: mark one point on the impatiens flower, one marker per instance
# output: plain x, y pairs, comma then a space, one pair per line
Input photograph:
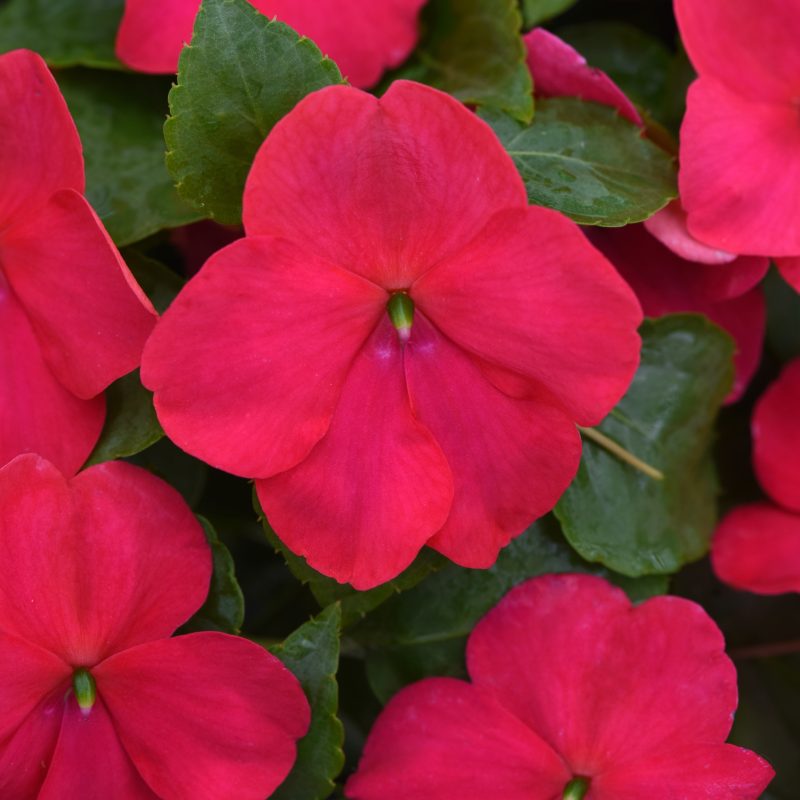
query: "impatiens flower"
364, 37
574, 694
757, 546
400, 347
72, 318
97, 702
740, 139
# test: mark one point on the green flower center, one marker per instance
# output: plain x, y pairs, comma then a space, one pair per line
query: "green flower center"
85, 689
576, 789
401, 313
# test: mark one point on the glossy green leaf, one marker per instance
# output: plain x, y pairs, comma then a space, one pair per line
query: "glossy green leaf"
586, 161
535, 12
240, 75
312, 654
472, 49
65, 32
423, 631
616, 515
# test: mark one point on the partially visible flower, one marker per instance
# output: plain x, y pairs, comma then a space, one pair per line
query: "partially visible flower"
574, 694
96, 700
364, 37
790, 270
72, 318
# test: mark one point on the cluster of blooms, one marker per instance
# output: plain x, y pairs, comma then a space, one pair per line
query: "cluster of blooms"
399, 353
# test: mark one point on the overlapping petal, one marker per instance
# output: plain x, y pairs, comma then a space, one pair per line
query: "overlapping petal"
790, 270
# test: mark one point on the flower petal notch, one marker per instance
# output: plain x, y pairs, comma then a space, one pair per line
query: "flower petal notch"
571, 696
95, 697
312, 354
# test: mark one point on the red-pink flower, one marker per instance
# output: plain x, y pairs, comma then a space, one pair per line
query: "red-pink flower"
399, 349
757, 546
72, 318
574, 694
364, 37
740, 140
95, 700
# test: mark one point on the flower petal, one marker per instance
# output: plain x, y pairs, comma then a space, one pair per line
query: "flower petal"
248, 362
511, 459
37, 414
531, 295
206, 716
376, 487
599, 680
41, 150
441, 739
87, 310
776, 438
88, 567
790, 271
377, 185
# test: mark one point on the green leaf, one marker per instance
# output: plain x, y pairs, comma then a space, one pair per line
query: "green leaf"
312, 654
614, 514
535, 12
586, 161
423, 631
783, 312
65, 32
223, 609
157, 280
131, 424
120, 119
240, 75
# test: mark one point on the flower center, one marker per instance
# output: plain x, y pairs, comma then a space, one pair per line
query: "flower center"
576, 789
85, 690
401, 313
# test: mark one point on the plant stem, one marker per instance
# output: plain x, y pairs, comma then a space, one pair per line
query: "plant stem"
621, 453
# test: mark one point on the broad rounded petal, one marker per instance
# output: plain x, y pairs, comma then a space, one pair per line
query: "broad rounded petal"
696, 771
441, 739
600, 680
511, 459
559, 70
152, 33
87, 310
88, 567
206, 716
790, 271
531, 295
41, 150
757, 548
89, 762
749, 45
740, 171
375, 489
776, 438
37, 414
377, 185
248, 362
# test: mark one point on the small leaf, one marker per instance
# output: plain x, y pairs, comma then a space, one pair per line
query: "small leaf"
312, 654
624, 519
535, 12
120, 119
238, 77
131, 424
586, 161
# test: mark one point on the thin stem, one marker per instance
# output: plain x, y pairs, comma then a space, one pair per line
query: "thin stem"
621, 453
767, 650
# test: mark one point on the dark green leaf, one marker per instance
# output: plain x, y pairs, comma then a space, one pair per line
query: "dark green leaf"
614, 514
131, 424
586, 161
223, 609
534, 12
312, 654
158, 281
120, 119
65, 32
240, 75
473, 50
783, 313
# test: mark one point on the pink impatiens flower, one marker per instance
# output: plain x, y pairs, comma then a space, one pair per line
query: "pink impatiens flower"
364, 37
97, 702
72, 318
575, 694
400, 347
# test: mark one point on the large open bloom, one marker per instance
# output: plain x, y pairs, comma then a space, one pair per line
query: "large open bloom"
72, 318
364, 37
575, 694
400, 347
96, 701
757, 546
